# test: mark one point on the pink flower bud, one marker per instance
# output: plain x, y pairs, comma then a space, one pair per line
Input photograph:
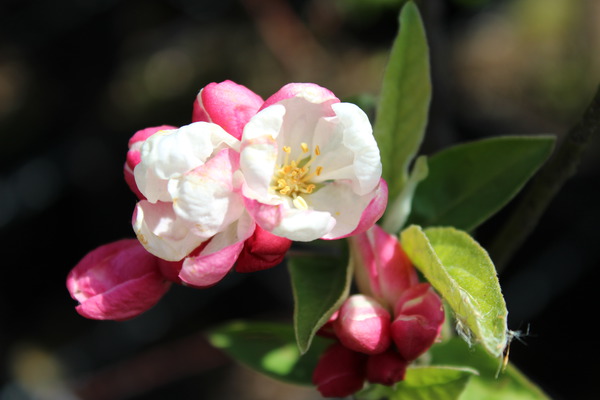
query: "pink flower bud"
382, 268
133, 155
340, 372
261, 251
117, 281
228, 105
419, 318
386, 368
363, 325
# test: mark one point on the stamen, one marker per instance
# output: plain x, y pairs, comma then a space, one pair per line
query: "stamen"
291, 180
300, 203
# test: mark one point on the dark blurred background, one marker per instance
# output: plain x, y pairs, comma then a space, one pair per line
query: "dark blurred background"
79, 77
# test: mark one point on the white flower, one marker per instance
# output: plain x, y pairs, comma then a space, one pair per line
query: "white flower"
188, 178
311, 166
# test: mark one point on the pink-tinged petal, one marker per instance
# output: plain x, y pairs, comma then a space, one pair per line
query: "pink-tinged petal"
363, 325
340, 372
374, 210
134, 157
419, 318
386, 368
310, 91
228, 105
117, 281
382, 268
218, 257
353, 214
268, 215
261, 251
143, 134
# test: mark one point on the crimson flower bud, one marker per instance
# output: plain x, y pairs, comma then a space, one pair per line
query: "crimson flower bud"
340, 372
363, 325
419, 318
262, 250
386, 368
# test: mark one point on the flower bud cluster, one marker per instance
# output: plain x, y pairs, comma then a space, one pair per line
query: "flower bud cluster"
233, 189
380, 332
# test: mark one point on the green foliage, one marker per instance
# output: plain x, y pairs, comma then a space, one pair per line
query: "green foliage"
424, 383
320, 285
470, 182
404, 102
464, 275
269, 348
490, 383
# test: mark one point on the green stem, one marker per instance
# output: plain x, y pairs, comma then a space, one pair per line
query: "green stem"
549, 180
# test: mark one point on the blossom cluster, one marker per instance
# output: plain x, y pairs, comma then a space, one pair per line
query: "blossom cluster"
234, 188
379, 332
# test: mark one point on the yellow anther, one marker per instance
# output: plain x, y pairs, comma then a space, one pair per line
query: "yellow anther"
291, 179
300, 203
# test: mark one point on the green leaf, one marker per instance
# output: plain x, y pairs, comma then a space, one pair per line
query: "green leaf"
464, 275
424, 383
468, 183
489, 384
399, 210
404, 100
320, 285
269, 348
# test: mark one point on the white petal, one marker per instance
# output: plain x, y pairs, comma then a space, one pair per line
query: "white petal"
304, 225
259, 151
299, 124
162, 233
340, 201
358, 138
206, 197
168, 154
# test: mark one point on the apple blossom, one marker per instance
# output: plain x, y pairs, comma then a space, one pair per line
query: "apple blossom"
187, 177
117, 281
311, 166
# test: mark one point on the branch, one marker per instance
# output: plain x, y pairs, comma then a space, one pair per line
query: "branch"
549, 180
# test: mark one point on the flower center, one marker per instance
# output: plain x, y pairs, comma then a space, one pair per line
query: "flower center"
293, 177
